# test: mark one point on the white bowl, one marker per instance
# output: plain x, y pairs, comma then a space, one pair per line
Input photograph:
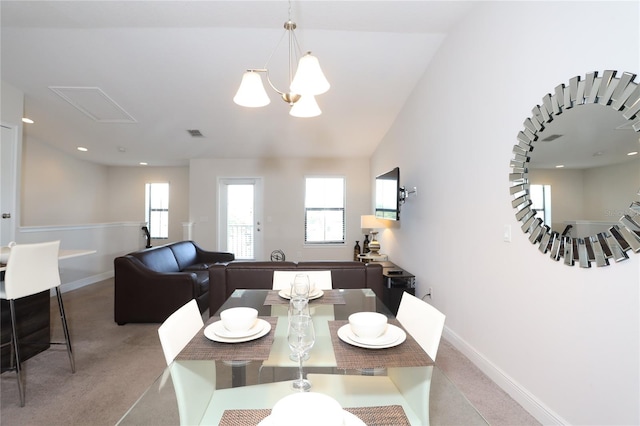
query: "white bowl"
239, 319
368, 325
307, 408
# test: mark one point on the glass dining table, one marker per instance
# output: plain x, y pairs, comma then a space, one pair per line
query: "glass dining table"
218, 381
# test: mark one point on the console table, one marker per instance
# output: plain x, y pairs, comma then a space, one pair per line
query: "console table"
396, 282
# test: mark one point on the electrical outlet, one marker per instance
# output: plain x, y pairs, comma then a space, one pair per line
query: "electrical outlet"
429, 293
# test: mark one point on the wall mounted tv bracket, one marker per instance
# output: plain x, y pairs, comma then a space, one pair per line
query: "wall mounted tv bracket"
404, 193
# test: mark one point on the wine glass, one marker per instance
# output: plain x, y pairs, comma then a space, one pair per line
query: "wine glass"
301, 337
300, 286
298, 306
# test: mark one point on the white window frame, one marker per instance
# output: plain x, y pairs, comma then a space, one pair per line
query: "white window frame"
153, 230
308, 209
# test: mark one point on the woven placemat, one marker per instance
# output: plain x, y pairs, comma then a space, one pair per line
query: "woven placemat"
330, 297
372, 416
201, 348
407, 354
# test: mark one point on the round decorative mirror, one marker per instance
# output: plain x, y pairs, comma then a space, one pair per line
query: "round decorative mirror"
575, 175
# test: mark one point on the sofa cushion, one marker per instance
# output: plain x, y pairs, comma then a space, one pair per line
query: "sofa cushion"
185, 254
197, 267
160, 259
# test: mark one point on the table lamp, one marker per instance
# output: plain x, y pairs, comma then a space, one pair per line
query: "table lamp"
372, 223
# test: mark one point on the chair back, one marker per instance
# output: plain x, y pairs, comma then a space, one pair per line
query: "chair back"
176, 331
422, 321
31, 269
282, 279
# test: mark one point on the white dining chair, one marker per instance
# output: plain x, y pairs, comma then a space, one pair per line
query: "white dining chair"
193, 381
282, 279
424, 322
177, 330
32, 269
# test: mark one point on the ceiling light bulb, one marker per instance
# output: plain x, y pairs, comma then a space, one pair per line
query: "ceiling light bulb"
82, 148
142, 163
559, 166
27, 120
251, 92
633, 153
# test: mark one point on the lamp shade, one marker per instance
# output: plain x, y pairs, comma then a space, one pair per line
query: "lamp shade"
251, 92
305, 107
371, 222
309, 78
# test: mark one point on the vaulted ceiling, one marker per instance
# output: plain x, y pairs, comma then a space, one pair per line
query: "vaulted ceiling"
155, 69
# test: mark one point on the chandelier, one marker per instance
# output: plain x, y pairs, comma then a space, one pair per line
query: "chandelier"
307, 81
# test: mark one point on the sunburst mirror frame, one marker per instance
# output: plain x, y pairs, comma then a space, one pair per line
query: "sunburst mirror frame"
623, 95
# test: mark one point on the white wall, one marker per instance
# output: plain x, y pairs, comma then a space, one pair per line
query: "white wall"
126, 192
58, 189
283, 214
564, 341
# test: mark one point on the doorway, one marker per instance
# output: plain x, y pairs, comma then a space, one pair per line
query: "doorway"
240, 225
8, 183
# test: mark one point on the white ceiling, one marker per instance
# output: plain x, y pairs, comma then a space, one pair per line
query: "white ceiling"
175, 65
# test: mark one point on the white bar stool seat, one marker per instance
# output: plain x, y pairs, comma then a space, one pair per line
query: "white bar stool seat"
32, 269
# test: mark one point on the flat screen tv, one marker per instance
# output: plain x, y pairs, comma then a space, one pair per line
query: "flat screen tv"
388, 195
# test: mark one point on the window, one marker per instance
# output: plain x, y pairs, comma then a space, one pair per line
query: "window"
157, 209
324, 211
541, 202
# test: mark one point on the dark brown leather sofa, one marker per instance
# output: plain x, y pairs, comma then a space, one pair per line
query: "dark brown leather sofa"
225, 278
153, 283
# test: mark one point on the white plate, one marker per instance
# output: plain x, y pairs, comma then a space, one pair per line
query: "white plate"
211, 335
350, 419
219, 330
392, 337
316, 294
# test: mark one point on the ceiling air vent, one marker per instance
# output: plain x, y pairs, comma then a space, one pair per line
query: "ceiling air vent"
195, 133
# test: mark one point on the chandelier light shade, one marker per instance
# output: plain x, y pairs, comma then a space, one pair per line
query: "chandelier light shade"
305, 107
309, 78
251, 92
307, 82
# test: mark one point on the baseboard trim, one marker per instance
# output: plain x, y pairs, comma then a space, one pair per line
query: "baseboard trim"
74, 285
528, 401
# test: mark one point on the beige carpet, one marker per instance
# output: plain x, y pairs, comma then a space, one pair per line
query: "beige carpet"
115, 364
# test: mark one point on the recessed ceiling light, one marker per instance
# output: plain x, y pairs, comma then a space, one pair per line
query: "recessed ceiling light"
633, 153
27, 120
142, 163
82, 148
559, 166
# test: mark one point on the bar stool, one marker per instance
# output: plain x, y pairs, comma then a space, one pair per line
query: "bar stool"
31, 269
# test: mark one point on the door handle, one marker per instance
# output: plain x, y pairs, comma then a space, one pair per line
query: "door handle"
6, 215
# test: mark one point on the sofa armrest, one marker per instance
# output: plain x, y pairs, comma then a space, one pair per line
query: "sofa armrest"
217, 287
205, 256
143, 295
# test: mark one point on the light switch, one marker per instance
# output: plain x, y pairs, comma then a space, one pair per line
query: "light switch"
507, 233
